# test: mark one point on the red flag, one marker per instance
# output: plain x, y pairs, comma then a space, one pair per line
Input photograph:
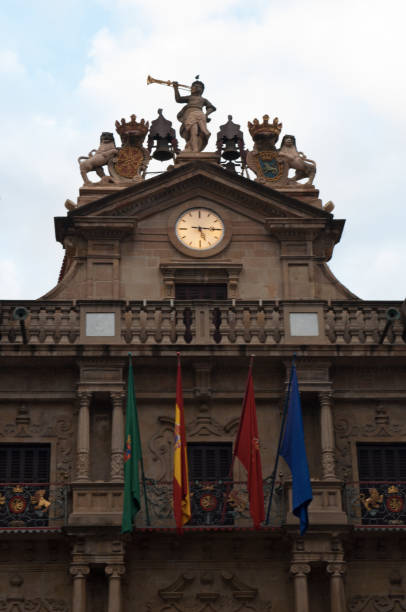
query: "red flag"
181, 494
247, 451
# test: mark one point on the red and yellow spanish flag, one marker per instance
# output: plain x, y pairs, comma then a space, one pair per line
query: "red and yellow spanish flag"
181, 493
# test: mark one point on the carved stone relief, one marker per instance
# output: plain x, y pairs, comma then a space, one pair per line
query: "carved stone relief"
376, 603
394, 599
380, 426
15, 601
62, 429
208, 590
160, 444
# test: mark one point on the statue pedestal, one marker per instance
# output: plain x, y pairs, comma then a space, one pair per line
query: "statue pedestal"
90, 193
185, 157
308, 194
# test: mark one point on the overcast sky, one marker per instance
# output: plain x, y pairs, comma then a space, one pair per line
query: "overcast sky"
332, 71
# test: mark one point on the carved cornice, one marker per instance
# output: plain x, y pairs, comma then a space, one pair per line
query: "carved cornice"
188, 181
94, 228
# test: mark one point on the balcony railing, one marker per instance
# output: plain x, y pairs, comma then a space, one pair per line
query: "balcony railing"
213, 504
33, 506
225, 322
376, 503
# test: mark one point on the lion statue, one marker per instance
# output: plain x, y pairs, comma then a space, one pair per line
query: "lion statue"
98, 158
304, 167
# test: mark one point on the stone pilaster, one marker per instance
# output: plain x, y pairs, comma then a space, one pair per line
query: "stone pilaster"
83, 438
299, 572
117, 437
327, 437
114, 573
79, 573
337, 596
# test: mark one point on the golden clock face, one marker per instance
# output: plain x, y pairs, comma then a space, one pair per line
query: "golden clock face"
200, 229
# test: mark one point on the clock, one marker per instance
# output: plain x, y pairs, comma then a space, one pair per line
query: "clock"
200, 229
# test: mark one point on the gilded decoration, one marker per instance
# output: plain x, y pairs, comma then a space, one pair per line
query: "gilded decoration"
272, 165
32, 505
131, 161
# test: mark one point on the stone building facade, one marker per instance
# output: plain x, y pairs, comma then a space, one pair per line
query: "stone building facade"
130, 283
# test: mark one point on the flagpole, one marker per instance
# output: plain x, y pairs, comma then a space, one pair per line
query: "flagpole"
285, 411
142, 467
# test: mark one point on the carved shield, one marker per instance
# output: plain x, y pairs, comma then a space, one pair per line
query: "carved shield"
129, 163
394, 503
269, 166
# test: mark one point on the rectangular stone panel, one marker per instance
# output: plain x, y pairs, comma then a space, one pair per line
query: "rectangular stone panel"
100, 324
304, 324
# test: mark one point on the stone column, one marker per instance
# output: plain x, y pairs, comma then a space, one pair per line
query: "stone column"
337, 596
114, 573
79, 573
299, 572
327, 438
83, 438
117, 437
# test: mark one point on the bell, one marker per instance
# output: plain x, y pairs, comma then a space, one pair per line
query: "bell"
162, 151
162, 132
230, 150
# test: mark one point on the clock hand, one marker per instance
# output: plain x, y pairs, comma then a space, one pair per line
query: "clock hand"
212, 229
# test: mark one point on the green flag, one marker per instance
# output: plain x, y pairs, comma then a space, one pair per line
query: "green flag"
132, 458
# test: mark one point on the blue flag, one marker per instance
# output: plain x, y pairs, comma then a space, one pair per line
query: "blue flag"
294, 452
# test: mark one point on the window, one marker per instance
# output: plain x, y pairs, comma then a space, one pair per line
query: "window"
24, 485
210, 483
210, 461
201, 291
24, 463
382, 487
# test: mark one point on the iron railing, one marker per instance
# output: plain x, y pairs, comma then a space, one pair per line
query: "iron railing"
214, 503
33, 505
376, 502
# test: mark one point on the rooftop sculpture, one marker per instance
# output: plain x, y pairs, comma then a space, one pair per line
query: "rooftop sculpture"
285, 169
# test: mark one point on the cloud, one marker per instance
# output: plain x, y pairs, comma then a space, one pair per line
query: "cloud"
330, 72
10, 279
10, 64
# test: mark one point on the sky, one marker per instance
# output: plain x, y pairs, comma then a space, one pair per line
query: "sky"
331, 71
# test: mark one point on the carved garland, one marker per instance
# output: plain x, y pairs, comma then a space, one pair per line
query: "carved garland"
346, 430
160, 444
62, 430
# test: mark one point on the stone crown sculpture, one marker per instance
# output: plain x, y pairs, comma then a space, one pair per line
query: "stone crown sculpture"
256, 128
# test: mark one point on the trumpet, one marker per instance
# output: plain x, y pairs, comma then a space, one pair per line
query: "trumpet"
151, 79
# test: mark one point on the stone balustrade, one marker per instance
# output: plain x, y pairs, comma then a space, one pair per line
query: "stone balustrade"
227, 322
